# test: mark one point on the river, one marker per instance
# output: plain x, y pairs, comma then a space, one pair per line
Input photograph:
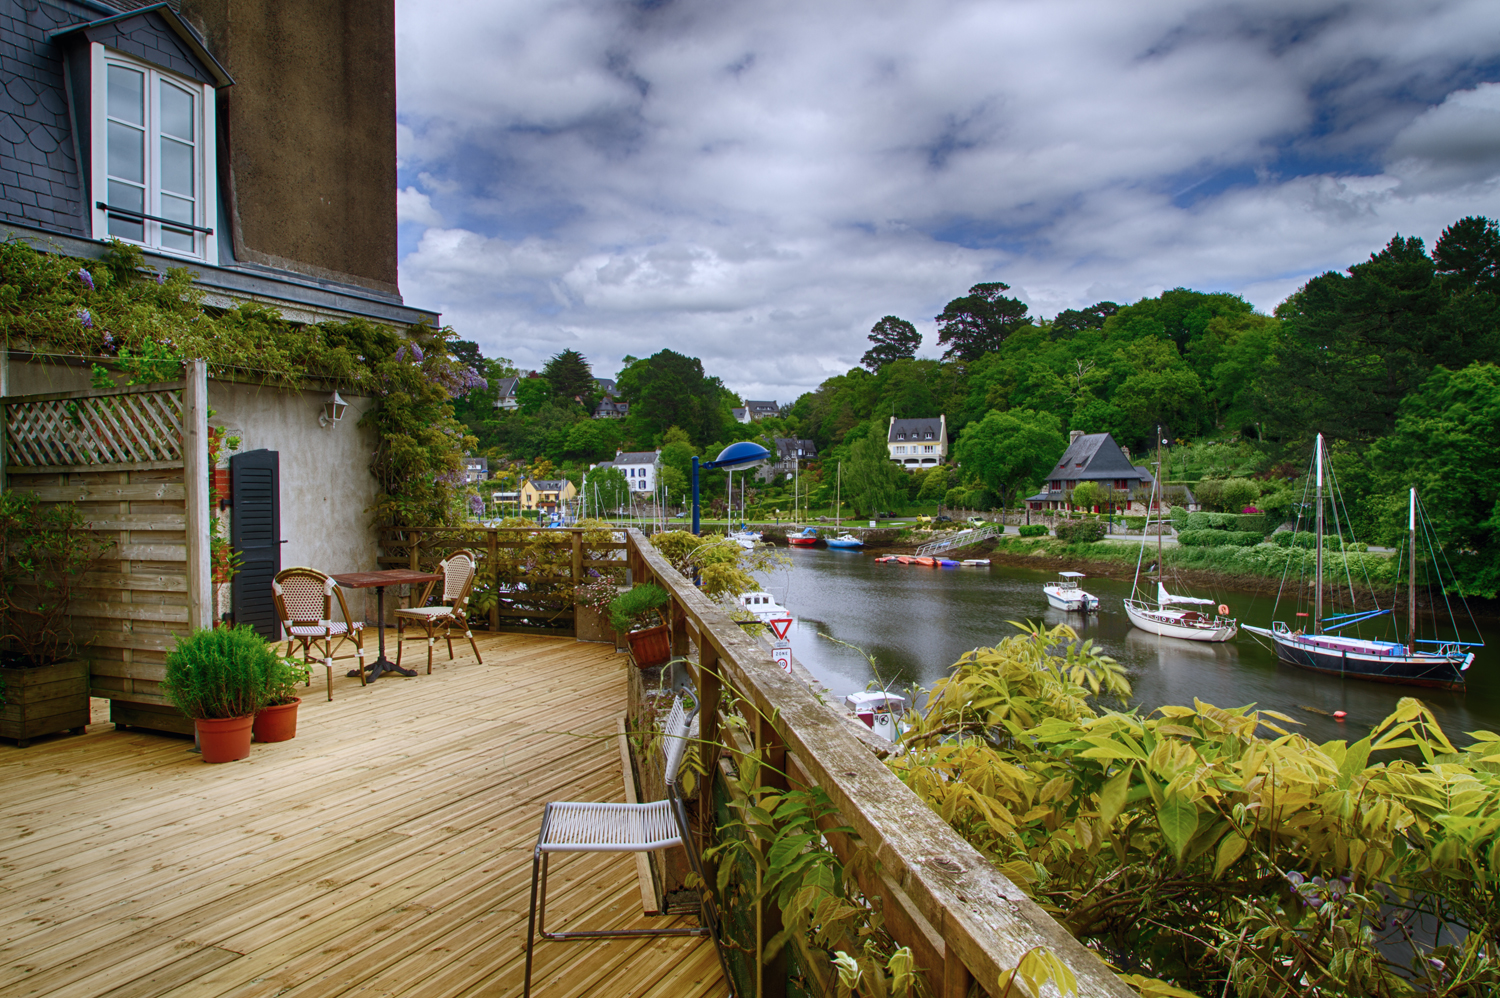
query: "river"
917, 621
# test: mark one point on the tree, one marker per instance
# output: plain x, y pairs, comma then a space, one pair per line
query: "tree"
871, 481
1467, 255
669, 389
1171, 397
676, 484
532, 394
935, 485
1011, 451
894, 339
607, 489
569, 375
1070, 321
979, 322
591, 440
1087, 495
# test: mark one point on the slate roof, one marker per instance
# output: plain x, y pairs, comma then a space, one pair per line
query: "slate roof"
787, 448
1096, 457
507, 386
635, 457
550, 484
606, 385
916, 429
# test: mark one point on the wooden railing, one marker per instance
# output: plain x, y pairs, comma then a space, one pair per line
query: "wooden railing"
536, 594
963, 920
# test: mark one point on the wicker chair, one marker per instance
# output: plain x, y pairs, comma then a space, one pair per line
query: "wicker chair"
452, 612
304, 600
575, 827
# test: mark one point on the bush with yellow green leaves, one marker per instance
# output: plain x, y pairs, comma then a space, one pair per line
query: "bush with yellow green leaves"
1214, 848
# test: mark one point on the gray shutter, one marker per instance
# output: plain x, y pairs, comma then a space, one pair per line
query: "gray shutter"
255, 532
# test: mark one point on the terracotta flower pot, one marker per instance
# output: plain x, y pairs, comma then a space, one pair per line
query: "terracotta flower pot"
224, 739
652, 646
276, 723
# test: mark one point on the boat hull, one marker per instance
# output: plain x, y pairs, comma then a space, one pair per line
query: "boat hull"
1071, 599
1169, 624
1430, 671
841, 545
802, 542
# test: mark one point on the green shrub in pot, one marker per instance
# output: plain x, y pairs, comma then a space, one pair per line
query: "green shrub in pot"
638, 608
221, 672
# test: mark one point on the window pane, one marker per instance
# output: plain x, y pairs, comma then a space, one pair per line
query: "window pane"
177, 239
177, 209
177, 168
176, 112
127, 95
126, 196
127, 152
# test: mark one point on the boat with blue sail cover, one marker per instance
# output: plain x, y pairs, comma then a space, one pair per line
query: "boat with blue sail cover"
1439, 663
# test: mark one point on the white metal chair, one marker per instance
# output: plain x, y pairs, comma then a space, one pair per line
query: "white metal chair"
458, 581
575, 827
304, 601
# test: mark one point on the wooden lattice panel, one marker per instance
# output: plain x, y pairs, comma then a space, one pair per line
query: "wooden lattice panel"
127, 427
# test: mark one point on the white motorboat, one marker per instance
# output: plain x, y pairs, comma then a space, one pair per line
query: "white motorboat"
880, 711
764, 607
1172, 617
1066, 594
746, 539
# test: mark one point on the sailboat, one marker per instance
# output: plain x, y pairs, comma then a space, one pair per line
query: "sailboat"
1172, 616
1324, 650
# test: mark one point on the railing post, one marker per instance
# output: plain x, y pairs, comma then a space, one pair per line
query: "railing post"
494, 546
577, 558
195, 472
709, 689
770, 976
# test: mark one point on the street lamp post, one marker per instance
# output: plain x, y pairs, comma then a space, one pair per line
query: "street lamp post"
735, 457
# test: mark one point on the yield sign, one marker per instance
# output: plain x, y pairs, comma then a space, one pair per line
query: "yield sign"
780, 625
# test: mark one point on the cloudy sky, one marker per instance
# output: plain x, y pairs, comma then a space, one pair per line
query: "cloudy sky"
756, 183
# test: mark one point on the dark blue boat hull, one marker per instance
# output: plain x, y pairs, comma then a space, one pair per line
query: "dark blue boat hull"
1444, 673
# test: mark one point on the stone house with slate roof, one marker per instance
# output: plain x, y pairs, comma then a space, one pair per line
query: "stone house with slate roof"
916, 444
1095, 457
789, 451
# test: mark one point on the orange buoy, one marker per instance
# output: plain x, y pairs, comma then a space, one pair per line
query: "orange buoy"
1223, 609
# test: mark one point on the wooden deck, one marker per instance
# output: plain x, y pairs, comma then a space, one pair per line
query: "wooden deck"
384, 851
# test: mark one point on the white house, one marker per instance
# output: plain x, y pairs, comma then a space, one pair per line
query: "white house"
639, 468
915, 444
506, 397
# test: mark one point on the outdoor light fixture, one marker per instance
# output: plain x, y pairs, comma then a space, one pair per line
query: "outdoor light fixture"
333, 410
735, 457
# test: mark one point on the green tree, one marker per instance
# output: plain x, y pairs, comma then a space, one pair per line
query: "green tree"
1070, 321
935, 486
569, 375
607, 490
1087, 495
532, 394
893, 339
592, 440
669, 389
1447, 444
675, 482
979, 322
1011, 451
871, 481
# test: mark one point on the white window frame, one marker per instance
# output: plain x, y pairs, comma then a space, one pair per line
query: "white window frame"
206, 244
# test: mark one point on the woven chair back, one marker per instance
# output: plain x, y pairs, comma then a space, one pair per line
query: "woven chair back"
303, 595
458, 573
675, 732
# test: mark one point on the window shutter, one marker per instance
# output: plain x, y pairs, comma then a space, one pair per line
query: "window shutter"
255, 532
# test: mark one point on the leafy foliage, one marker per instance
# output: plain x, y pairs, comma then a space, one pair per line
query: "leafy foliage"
638, 607
45, 549
222, 672
1214, 848
1010, 452
979, 322
894, 339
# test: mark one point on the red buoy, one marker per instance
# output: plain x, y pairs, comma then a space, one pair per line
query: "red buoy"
1339, 715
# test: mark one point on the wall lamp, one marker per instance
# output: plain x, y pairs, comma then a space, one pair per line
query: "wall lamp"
333, 410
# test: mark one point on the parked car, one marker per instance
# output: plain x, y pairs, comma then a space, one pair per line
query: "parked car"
945, 519
978, 520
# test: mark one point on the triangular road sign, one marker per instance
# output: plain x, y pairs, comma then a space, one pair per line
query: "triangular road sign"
780, 626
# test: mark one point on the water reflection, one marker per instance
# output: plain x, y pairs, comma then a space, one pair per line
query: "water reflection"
918, 621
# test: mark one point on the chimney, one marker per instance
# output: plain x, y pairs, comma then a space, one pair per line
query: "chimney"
1073, 437
1126, 452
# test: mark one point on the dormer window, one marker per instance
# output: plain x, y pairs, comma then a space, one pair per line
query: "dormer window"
152, 149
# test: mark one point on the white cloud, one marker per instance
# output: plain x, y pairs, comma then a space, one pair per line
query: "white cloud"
757, 184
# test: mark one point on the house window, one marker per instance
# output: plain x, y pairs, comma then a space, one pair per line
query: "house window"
900, 450
928, 449
1057, 483
153, 136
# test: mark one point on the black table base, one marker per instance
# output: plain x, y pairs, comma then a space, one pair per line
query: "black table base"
381, 665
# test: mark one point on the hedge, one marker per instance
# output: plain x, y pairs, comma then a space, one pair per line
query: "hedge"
1034, 530
1219, 538
1079, 531
1307, 541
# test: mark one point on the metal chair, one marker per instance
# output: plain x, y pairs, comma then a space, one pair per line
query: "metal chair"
458, 581
575, 827
304, 601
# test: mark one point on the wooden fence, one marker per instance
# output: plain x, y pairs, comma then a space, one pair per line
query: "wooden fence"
134, 461
964, 922
526, 574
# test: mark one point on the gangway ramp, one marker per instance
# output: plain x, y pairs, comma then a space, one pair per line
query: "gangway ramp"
962, 539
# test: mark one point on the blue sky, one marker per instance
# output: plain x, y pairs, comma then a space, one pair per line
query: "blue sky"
756, 184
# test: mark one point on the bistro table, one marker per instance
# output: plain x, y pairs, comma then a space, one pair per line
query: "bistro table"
378, 581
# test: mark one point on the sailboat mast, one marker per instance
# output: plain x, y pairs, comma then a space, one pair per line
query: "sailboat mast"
1411, 582
1161, 493
838, 496
1317, 622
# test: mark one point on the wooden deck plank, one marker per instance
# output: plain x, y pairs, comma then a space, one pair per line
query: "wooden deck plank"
386, 849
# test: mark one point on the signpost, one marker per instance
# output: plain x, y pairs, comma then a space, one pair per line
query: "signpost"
781, 648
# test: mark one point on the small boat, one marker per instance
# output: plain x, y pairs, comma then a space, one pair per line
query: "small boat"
805, 539
903, 559
845, 542
764, 606
880, 711
947, 563
923, 561
746, 539
1066, 594
1323, 650
975, 563
888, 559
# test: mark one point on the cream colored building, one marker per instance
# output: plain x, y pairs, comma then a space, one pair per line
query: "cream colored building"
546, 493
916, 444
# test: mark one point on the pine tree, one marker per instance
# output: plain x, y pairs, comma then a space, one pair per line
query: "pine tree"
894, 339
569, 375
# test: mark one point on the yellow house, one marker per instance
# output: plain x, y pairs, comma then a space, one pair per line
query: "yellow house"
545, 493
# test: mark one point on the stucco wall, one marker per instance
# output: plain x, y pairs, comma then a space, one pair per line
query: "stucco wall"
311, 130
326, 485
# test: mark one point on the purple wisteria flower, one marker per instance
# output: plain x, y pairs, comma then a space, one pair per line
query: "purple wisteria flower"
401, 353
86, 278
161, 278
476, 506
109, 339
416, 353
85, 318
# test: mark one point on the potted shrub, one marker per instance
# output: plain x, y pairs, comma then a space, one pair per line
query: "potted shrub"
45, 549
632, 612
277, 720
220, 677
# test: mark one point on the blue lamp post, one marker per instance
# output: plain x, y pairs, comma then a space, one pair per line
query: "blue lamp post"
735, 457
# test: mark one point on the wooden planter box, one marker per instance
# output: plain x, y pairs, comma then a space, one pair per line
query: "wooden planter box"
593, 625
45, 701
